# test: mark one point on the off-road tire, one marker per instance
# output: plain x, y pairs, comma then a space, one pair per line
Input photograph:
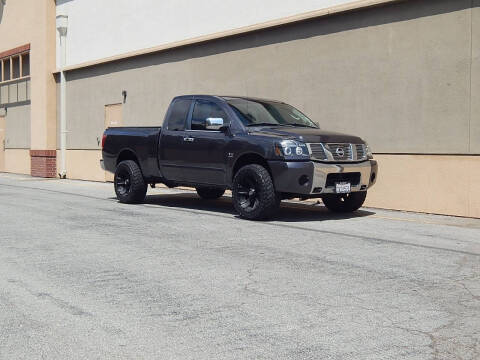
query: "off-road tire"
265, 200
344, 203
210, 193
130, 186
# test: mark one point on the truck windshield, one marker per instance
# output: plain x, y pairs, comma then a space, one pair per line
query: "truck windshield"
268, 113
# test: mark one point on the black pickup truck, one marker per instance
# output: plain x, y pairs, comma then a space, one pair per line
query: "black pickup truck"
264, 151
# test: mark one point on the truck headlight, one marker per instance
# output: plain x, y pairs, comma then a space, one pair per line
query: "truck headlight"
292, 149
368, 151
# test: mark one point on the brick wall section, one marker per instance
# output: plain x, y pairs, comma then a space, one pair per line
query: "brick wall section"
44, 163
15, 51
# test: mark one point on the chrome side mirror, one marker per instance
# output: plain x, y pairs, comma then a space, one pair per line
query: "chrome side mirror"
214, 124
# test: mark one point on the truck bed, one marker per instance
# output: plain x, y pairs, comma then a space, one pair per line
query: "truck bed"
141, 142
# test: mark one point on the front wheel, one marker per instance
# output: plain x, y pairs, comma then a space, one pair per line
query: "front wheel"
209, 193
254, 195
345, 202
130, 186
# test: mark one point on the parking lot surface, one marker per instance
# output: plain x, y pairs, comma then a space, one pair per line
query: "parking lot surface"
85, 277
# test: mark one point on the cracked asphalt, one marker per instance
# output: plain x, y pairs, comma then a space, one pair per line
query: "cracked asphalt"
85, 277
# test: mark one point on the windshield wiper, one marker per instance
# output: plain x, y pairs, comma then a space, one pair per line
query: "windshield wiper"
304, 125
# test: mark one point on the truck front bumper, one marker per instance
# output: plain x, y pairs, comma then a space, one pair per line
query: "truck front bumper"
315, 179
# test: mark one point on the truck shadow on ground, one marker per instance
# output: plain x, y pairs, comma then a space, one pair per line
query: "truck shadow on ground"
289, 211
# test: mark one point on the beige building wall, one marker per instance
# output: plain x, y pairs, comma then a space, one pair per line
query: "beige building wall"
475, 80
403, 76
32, 22
438, 184
398, 75
17, 161
83, 165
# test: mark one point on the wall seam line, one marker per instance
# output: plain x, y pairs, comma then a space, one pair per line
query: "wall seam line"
469, 200
471, 75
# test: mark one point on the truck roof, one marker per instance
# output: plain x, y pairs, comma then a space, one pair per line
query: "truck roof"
227, 97
250, 98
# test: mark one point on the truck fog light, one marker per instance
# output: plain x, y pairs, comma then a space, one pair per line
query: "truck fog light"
303, 180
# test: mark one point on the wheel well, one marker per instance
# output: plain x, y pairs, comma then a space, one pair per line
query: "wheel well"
127, 155
248, 159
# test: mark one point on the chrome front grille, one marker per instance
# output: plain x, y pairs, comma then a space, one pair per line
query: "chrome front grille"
361, 151
340, 152
337, 152
317, 151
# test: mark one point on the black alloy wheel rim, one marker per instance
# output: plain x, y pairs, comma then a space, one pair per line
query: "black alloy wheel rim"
123, 182
248, 193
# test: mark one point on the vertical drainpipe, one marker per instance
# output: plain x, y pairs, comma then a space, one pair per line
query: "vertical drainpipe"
62, 23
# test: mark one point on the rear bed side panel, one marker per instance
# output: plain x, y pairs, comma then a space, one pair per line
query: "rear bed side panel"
141, 141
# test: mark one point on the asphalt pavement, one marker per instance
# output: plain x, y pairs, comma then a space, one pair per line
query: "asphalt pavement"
85, 277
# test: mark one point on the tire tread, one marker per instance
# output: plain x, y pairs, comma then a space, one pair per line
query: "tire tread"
139, 187
270, 200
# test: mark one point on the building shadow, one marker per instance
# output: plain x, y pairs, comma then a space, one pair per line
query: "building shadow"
289, 211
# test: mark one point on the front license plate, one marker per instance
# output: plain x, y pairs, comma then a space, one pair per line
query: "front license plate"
343, 188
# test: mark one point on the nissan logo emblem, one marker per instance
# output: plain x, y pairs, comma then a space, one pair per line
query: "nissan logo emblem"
340, 152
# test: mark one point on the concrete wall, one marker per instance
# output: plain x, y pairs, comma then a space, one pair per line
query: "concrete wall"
398, 75
428, 183
17, 129
475, 80
83, 165
17, 161
403, 76
99, 29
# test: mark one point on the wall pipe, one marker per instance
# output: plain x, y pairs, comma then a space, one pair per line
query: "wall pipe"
62, 21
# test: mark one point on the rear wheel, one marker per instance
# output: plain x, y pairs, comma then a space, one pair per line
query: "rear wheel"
130, 186
254, 195
210, 193
345, 202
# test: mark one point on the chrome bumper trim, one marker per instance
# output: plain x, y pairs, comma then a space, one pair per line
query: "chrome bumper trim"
321, 171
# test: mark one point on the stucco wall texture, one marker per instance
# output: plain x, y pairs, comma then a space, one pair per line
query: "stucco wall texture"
17, 129
403, 76
32, 22
93, 36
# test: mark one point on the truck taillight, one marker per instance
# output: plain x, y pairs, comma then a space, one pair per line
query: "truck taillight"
103, 140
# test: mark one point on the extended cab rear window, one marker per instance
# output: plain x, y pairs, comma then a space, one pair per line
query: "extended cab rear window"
178, 115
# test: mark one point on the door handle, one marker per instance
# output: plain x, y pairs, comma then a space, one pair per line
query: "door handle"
188, 139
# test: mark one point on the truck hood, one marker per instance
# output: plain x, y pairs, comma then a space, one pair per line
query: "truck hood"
308, 135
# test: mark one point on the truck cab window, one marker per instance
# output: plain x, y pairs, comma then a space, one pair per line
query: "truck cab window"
204, 110
178, 115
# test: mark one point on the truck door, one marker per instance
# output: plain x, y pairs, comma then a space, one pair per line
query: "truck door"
206, 147
172, 153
